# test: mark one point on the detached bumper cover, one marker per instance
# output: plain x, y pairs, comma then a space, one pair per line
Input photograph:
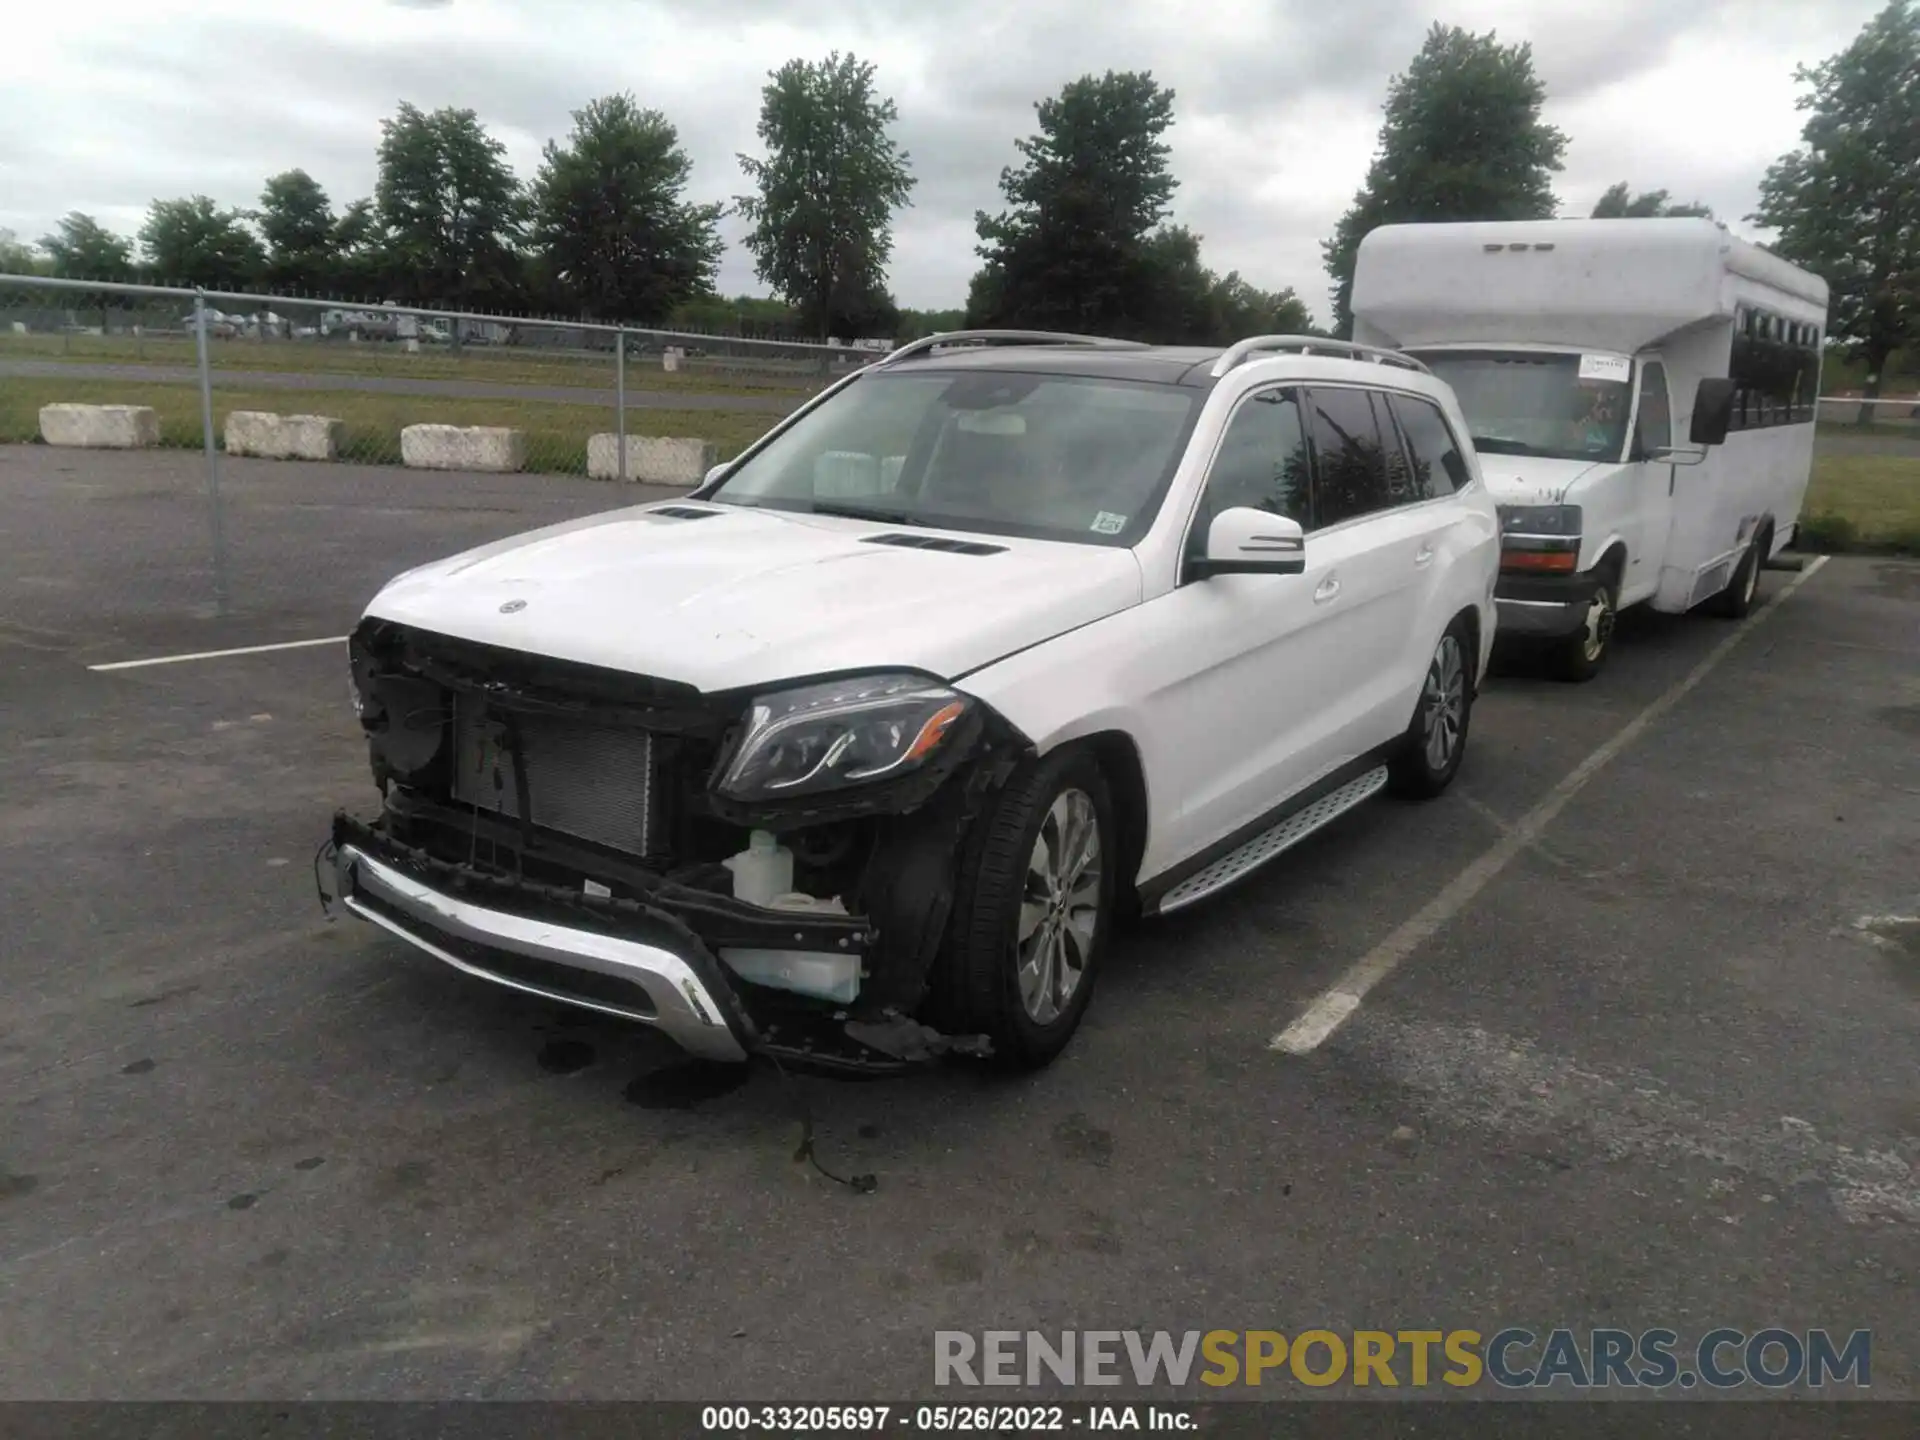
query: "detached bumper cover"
618, 957
1543, 606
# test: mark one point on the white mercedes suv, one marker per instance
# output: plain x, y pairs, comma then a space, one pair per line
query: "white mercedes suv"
856, 755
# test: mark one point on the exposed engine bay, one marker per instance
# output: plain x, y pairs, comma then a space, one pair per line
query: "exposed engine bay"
564, 789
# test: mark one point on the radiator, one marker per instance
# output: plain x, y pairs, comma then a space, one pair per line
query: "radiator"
592, 782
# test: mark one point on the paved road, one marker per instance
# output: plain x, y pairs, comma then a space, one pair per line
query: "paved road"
1650, 1074
773, 403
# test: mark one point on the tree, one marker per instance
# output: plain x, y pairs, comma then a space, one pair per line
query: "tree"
450, 209
1620, 203
1072, 251
1462, 140
195, 242
360, 261
826, 191
296, 219
83, 249
1846, 204
16, 258
610, 220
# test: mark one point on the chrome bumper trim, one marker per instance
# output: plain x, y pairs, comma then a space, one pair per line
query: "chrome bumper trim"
682, 1006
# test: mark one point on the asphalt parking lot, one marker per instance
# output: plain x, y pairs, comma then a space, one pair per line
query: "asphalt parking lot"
1647, 1056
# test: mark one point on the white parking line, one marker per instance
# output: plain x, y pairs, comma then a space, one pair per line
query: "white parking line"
1330, 1010
220, 654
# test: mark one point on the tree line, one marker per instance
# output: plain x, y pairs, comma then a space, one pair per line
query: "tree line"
1084, 240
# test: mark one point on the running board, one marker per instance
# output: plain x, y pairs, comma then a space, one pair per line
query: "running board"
1268, 843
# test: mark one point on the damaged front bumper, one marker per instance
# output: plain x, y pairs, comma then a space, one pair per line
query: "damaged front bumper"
620, 957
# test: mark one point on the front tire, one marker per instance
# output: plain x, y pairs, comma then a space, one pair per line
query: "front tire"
1034, 906
1734, 602
1436, 740
1583, 654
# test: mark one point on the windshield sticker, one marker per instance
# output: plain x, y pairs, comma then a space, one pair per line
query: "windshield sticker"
1605, 367
1108, 523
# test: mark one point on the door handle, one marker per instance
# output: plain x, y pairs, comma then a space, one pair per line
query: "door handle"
1424, 555
1329, 588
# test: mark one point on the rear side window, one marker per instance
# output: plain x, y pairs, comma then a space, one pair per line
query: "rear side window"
1438, 466
1350, 456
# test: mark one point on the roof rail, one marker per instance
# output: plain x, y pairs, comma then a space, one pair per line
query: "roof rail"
1006, 337
1242, 350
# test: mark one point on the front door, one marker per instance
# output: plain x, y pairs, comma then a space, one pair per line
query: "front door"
1653, 482
1265, 678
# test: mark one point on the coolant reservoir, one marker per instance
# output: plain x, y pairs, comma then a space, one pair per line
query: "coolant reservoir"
761, 871
805, 972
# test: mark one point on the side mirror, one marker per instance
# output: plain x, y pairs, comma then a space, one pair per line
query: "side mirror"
714, 474
1245, 541
1712, 411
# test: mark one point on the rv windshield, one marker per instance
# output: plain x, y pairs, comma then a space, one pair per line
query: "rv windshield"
1517, 402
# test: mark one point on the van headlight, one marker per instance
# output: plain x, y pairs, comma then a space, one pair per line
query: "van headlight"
840, 733
1554, 520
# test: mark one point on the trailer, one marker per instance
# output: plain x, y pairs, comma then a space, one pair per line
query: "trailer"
1642, 394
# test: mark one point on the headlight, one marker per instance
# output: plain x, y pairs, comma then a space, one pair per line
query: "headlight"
1558, 520
841, 733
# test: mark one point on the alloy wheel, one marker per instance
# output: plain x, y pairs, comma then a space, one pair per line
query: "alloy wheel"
1060, 908
1443, 700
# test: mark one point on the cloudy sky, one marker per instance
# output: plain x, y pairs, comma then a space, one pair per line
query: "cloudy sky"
107, 105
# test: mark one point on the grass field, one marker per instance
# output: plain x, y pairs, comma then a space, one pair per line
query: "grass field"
556, 434
498, 366
1871, 500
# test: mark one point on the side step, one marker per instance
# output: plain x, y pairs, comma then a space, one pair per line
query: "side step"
1268, 843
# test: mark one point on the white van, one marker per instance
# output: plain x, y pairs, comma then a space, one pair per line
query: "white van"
1642, 394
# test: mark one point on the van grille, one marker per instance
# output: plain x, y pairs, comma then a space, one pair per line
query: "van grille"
593, 782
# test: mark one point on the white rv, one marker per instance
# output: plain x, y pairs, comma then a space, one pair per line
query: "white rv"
1642, 394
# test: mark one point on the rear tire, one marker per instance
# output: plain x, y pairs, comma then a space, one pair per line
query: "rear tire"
1583, 654
1430, 752
1734, 602
1034, 906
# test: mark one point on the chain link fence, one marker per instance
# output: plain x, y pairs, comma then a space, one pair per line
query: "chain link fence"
240, 379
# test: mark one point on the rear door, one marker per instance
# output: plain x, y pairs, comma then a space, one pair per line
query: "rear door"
1366, 553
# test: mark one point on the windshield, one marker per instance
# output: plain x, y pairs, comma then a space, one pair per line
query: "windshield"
1565, 407
1054, 457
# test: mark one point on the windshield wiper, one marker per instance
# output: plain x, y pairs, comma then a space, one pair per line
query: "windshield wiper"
861, 512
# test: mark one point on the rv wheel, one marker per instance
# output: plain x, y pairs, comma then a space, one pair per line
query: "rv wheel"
1581, 655
1736, 600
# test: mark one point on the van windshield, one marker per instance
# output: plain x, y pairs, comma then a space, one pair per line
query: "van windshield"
1562, 407
1053, 457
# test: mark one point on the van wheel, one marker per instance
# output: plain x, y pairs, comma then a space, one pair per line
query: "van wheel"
1736, 600
1582, 655
1429, 753
1034, 904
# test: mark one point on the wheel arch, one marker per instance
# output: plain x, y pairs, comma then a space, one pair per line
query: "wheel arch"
1118, 757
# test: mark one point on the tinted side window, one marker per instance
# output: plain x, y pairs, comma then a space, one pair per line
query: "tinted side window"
1262, 461
1654, 427
1438, 466
1350, 460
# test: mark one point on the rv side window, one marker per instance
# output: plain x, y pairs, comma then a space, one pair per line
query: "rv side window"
1438, 466
1349, 461
1654, 427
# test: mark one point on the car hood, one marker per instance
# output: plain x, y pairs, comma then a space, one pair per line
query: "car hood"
747, 596
1534, 479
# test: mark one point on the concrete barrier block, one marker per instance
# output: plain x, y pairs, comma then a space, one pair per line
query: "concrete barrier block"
463, 447
651, 459
100, 427
284, 437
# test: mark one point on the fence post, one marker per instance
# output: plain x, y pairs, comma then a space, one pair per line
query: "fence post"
620, 399
213, 464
